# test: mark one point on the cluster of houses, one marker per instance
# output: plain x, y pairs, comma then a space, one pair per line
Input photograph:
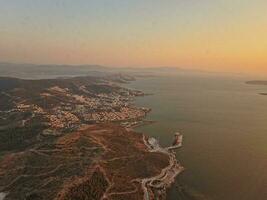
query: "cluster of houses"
82, 108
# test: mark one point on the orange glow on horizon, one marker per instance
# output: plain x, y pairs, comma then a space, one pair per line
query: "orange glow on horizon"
218, 36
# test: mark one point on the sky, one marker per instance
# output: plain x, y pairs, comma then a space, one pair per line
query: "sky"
215, 35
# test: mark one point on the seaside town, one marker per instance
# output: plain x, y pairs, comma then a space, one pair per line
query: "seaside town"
64, 109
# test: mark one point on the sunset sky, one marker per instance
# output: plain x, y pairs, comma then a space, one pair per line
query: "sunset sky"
217, 35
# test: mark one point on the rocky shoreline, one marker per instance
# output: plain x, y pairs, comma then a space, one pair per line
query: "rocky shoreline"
155, 187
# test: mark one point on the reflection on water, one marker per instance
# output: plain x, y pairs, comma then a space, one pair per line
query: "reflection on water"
223, 121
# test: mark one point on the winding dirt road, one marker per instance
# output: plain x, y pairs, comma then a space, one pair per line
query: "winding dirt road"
167, 176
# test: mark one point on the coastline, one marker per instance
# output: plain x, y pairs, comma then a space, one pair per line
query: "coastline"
88, 132
155, 187
158, 185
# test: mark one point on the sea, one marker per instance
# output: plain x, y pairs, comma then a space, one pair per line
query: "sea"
224, 124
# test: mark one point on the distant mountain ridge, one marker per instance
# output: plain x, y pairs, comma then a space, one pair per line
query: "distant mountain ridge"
36, 71
43, 71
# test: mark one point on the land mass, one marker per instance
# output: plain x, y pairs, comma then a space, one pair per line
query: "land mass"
71, 138
255, 82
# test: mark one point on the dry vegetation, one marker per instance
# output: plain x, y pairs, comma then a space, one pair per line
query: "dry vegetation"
102, 160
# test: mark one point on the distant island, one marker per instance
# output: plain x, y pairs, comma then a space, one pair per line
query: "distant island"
258, 82
72, 138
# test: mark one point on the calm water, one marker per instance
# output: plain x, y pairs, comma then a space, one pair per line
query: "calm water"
224, 122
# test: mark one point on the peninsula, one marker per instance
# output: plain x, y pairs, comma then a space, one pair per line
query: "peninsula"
71, 138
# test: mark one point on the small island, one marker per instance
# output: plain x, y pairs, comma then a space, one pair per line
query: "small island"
258, 82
